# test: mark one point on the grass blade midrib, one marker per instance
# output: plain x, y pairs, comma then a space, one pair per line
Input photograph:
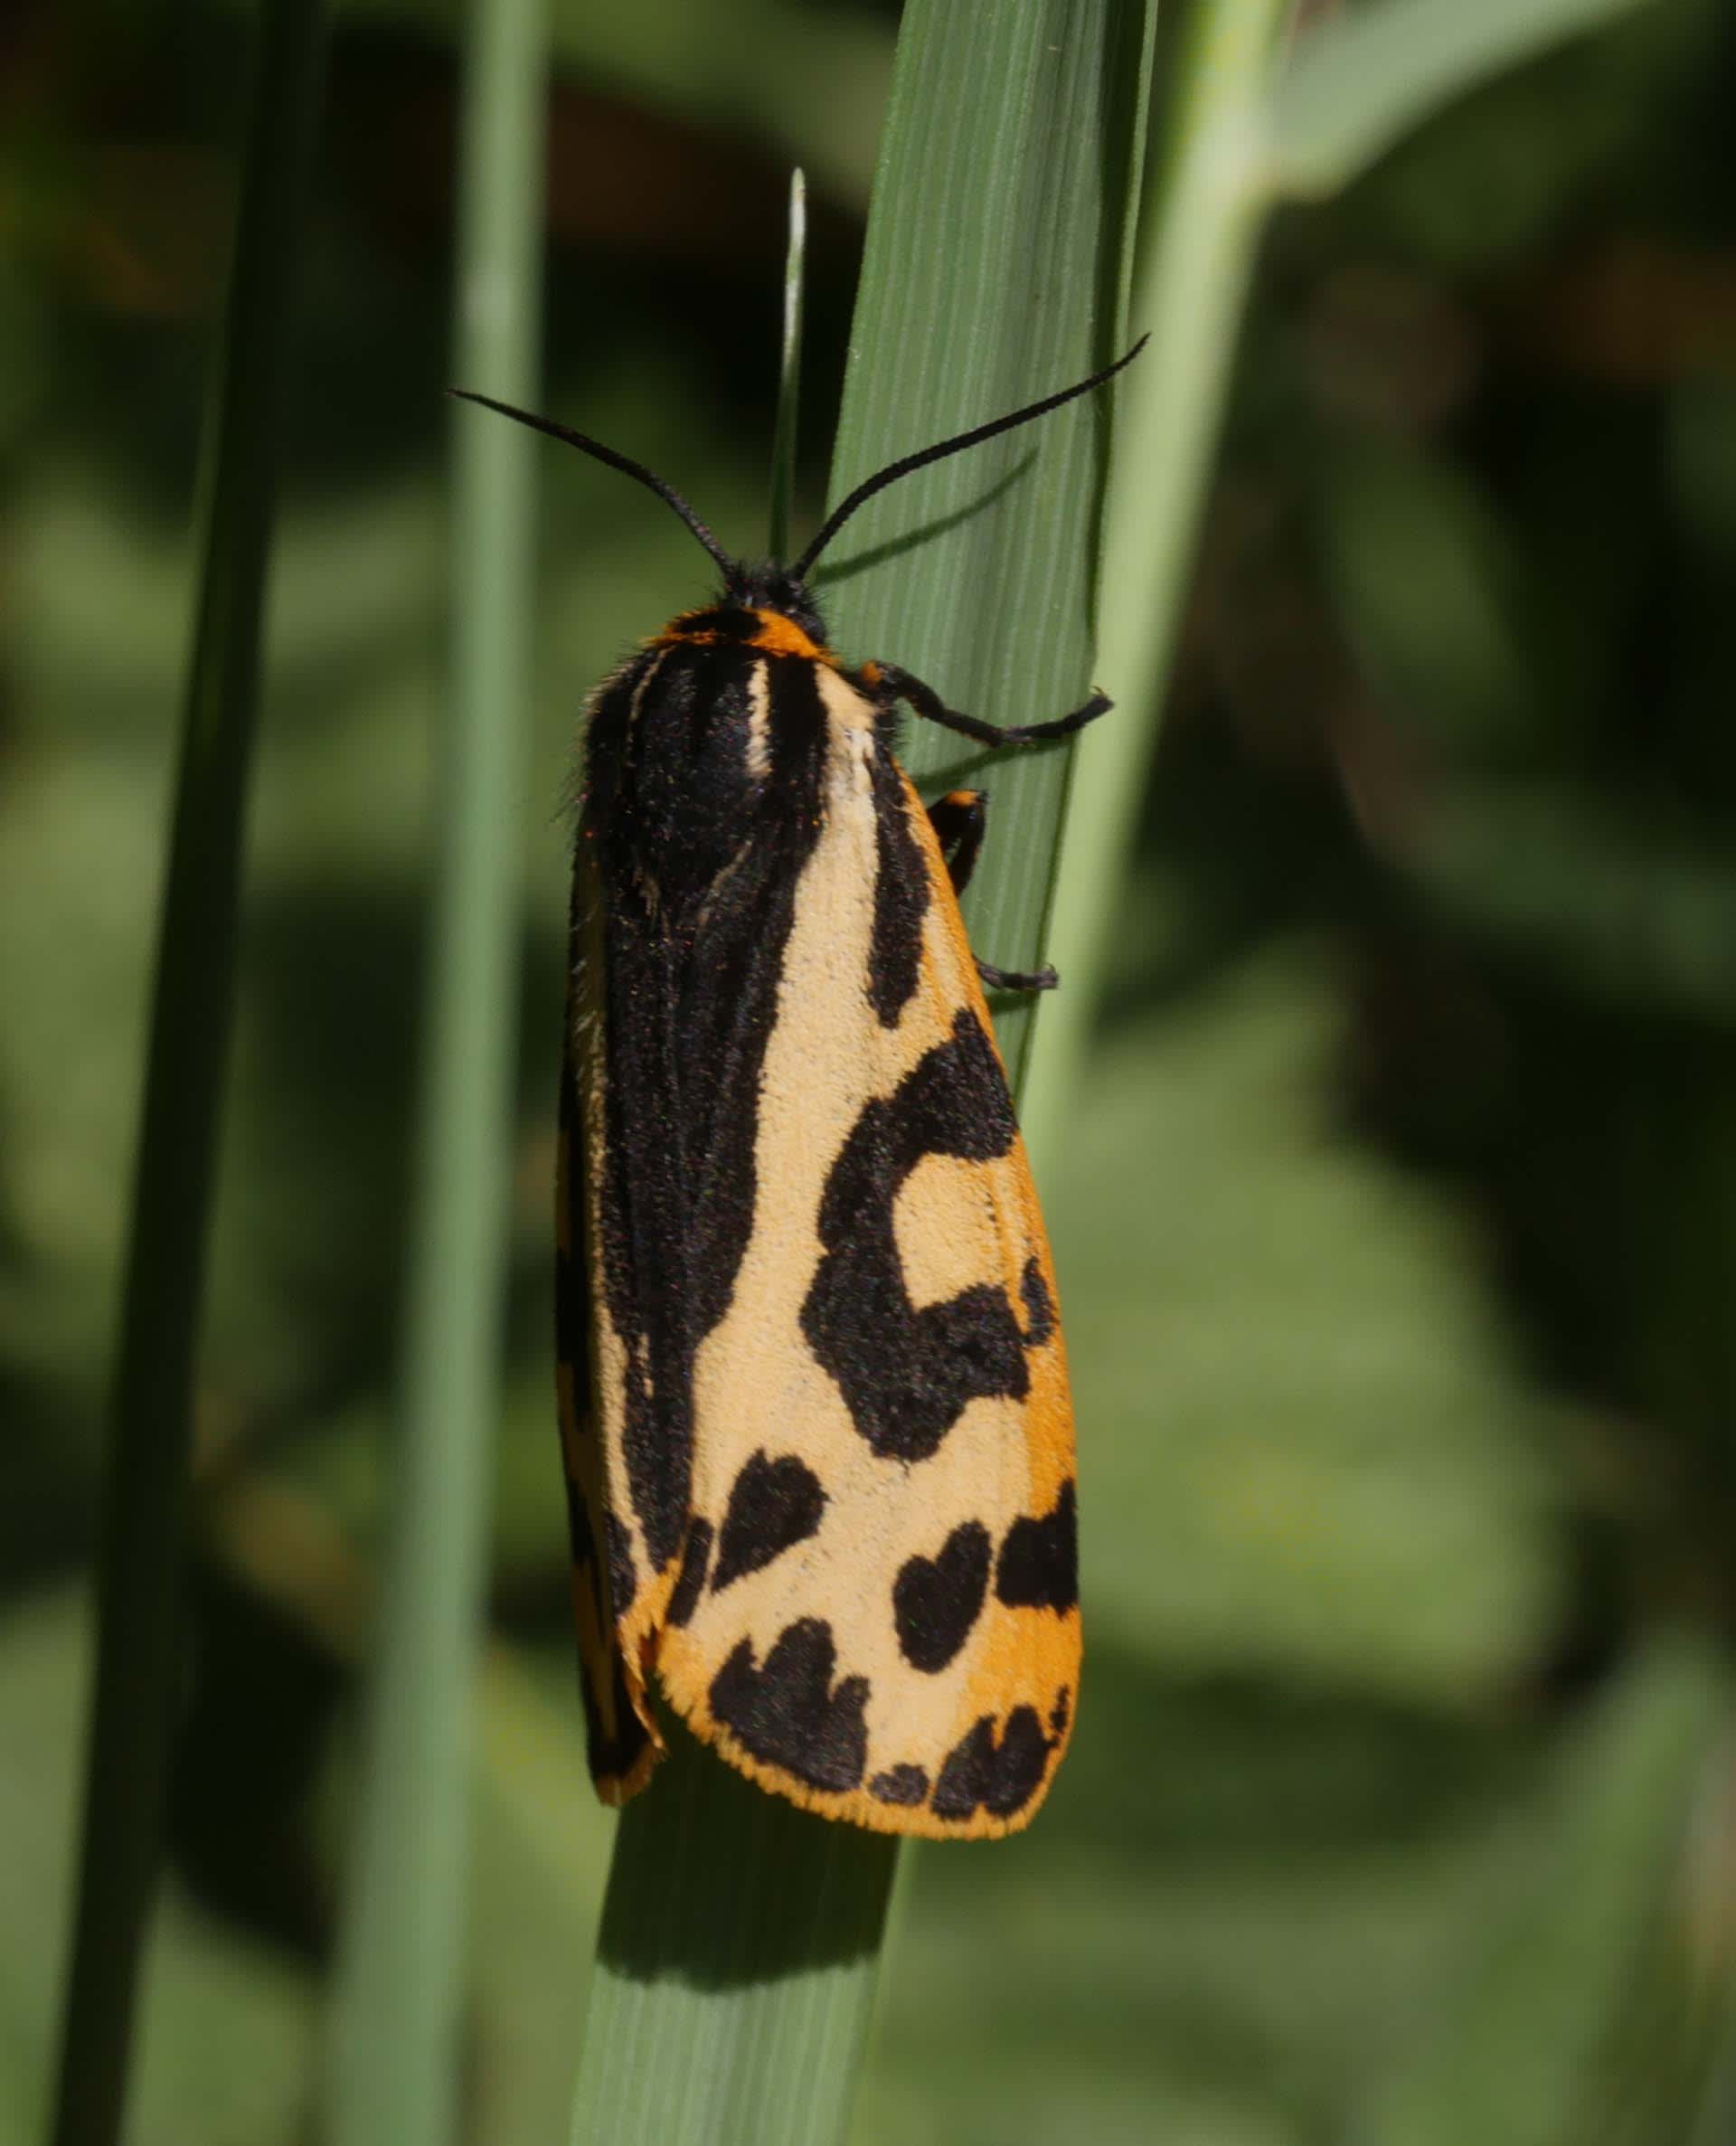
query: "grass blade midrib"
394, 2056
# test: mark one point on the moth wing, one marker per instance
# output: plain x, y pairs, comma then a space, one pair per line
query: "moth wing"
876, 1614
675, 951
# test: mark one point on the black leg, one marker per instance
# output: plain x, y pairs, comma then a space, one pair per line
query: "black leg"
1016, 979
958, 820
928, 705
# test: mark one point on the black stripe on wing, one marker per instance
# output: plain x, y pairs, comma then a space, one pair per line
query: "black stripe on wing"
698, 858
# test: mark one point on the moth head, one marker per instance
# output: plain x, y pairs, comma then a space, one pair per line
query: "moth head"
769, 586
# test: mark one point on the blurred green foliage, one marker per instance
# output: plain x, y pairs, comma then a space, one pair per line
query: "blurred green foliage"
1397, 1230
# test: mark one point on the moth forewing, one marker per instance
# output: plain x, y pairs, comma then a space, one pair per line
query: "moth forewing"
871, 1401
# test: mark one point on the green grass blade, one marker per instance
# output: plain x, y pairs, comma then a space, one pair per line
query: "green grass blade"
790, 379
739, 1946
1029, 127
1361, 78
138, 1661
394, 2050
736, 1967
1197, 249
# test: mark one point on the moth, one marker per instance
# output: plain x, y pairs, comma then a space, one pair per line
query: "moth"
812, 1390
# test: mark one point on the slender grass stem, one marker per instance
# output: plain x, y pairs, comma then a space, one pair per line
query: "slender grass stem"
1362, 79
138, 1586
790, 379
394, 2050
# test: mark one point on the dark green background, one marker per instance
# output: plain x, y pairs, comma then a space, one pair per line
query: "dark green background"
1397, 1226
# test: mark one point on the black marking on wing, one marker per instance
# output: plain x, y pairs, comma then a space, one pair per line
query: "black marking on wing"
999, 1777
1038, 1561
640, 1424
958, 821
1039, 1305
935, 1600
901, 898
610, 1751
788, 1713
697, 862
1058, 1713
581, 1540
900, 1784
905, 1374
694, 1558
615, 1736
610, 1757
773, 1506
570, 1342
622, 1585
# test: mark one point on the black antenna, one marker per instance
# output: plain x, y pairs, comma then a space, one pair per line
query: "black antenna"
956, 444
595, 448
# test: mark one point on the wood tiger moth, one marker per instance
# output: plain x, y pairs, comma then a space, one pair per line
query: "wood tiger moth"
814, 1404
